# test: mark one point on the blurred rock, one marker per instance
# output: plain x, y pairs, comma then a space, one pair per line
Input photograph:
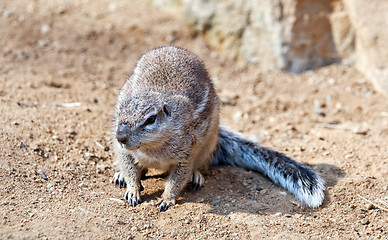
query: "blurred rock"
370, 23
295, 35
269, 33
343, 33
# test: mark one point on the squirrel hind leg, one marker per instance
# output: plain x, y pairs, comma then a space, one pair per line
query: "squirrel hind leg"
143, 173
197, 181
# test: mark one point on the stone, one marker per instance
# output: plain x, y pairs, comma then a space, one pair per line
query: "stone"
271, 34
365, 221
45, 28
343, 34
295, 35
370, 21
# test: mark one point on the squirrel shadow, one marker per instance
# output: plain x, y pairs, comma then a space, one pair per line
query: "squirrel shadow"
230, 189
160, 177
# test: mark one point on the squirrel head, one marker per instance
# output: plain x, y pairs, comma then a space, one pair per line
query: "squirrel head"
142, 122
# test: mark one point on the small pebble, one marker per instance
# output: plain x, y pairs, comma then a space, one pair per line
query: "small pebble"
278, 214
365, 221
326, 154
45, 28
42, 43
170, 38
259, 189
254, 138
237, 116
215, 202
6, 14
213, 54
369, 206
320, 112
101, 168
14, 123
287, 215
70, 131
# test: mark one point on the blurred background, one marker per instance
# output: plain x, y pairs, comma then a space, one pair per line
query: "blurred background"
295, 35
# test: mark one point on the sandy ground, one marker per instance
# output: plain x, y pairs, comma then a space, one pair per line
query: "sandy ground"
62, 64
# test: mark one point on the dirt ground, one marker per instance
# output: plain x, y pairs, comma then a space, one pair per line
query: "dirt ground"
62, 64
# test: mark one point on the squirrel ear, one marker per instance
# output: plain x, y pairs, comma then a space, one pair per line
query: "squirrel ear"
167, 110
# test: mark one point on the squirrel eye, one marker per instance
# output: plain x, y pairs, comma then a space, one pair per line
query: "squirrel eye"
150, 120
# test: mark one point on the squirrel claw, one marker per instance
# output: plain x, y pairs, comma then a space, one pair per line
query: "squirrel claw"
119, 181
197, 181
195, 186
133, 199
122, 184
163, 206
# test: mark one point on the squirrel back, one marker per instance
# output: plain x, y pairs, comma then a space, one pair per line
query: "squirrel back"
171, 70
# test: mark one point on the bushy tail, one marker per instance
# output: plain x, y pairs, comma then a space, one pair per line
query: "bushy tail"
297, 178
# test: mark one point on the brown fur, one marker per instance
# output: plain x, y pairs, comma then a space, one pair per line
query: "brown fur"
173, 85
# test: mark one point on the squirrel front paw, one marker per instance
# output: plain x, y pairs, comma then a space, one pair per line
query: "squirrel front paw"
164, 204
119, 180
133, 197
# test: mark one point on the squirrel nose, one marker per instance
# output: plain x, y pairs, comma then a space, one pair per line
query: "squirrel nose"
122, 134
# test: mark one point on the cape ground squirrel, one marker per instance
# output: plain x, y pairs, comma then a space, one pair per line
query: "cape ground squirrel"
167, 117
